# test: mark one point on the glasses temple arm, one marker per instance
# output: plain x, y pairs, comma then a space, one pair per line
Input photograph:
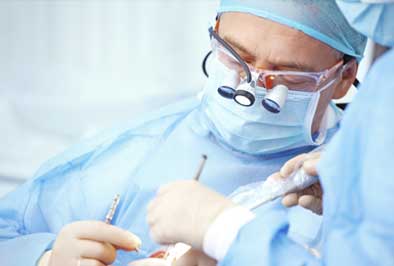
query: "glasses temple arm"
213, 34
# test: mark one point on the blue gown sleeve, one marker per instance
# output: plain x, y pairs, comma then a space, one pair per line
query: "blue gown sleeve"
357, 178
75, 186
32, 215
79, 184
16, 246
264, 242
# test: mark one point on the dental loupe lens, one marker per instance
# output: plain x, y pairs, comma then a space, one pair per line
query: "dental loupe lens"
275, 98
244, 98
271, 106
226, 92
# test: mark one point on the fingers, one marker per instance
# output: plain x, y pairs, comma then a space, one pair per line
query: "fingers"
290, 200
205, 260
311, 203
195, 258
90, 262
275, 177
292, 164
310, 166
188, 259
102, 232
308, 160
150, 262
104, 252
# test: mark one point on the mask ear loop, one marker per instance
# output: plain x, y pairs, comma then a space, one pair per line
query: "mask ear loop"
204, 63
245, 67
324, 123
356, 83
312, 109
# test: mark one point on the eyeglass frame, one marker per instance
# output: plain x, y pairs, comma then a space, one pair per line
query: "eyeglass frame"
319, 76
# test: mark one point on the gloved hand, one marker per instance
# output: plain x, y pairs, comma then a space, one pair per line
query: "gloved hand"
192, 258
90, 243
182, 211
150, 262
311, 197
195, 258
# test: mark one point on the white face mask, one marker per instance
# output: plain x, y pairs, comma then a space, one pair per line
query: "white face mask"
254, 130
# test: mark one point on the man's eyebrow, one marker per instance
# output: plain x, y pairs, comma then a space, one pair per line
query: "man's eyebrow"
237, 46
293, 66
278, 64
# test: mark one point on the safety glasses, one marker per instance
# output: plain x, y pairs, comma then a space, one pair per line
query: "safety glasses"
293, 80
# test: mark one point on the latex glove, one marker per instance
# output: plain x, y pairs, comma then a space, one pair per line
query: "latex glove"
182, 211
90, 243
195, 258
150, 262
192, 258
311, 197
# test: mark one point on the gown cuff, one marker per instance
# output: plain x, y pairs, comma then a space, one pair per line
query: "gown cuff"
222, 232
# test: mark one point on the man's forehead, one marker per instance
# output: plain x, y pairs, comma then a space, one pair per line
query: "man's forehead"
264, 40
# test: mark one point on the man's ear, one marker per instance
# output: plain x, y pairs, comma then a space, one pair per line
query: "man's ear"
348, 76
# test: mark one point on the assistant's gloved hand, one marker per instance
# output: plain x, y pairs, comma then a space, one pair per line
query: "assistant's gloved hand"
311, 197
191, 258
90, 243
182, 211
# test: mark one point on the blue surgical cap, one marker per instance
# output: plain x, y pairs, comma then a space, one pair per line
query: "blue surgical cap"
320, 19
373, 18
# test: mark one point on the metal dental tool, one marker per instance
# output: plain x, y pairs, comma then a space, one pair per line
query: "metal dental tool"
112, 210
200, 168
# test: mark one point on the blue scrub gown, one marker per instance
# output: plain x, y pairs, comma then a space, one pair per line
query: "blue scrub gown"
132, 161
358, 184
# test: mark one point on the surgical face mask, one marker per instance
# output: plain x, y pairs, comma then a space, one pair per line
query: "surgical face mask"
373, 18
253, 129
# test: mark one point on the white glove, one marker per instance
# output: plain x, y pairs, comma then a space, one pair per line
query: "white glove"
150, 262
195, 258
88, 243
182, 212
311, 197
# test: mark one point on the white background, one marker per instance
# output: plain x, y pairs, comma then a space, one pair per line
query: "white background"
70, 68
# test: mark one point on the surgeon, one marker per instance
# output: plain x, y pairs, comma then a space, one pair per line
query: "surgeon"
355, 174
275, 66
